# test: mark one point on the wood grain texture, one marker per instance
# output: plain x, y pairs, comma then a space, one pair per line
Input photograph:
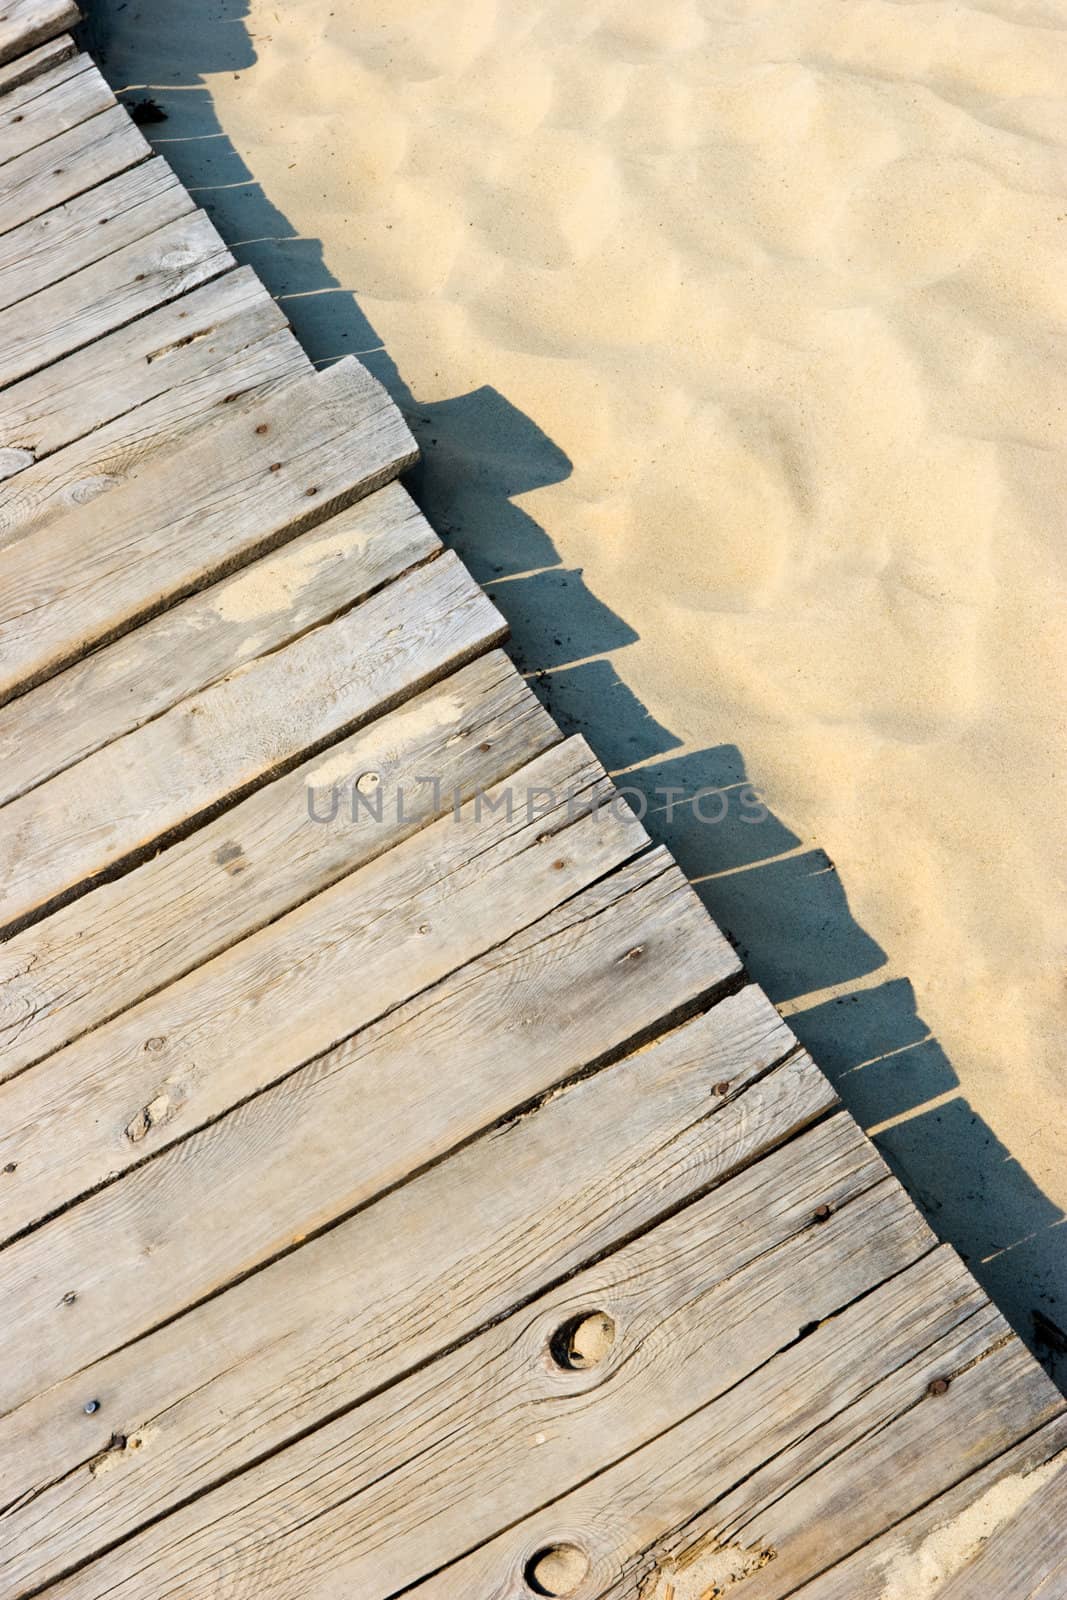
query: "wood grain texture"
88, 229
445, 1459
23, 69
109, 382
26, 23
135, 279
59, 977
258, 1012
694, 1513
188, 518
316, 1129
899, 1436
553, 999
67, 91
106, 812
427, 1265
261, 607
67, 165
1028, 1559
998, 1531
112, 456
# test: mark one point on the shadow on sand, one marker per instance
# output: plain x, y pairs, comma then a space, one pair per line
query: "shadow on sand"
782, 903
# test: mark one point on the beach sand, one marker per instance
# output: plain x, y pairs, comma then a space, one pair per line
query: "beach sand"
733, 333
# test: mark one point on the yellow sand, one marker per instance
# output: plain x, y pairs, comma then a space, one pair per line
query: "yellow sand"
772, 296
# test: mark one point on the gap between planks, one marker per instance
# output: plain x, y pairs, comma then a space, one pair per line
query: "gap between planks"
570, 1199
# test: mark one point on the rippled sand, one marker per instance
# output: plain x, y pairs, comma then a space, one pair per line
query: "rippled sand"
733, 333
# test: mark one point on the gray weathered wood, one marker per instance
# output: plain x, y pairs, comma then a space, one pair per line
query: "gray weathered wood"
207, 637
62, 94
461, 1448
26, 23
23, 69
85, 155
614, 964
60, 978
103, 460
104, 813
133, 280
695, 1511
803, 1505
1028, 1558
998, 1532
456, 1248
188, 518
109, 381
258, 1011
313, 1131
88, 229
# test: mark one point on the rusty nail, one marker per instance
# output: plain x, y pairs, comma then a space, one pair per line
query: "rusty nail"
822, 1214
938, 1386
723, 1087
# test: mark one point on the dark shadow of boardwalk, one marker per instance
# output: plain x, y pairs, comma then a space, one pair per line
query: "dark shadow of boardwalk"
783, 904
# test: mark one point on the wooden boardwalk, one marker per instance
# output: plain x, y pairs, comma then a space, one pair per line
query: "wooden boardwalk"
417, 1203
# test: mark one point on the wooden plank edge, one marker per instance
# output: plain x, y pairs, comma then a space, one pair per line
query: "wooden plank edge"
26, 956
662, 1086
13, 74
55, 17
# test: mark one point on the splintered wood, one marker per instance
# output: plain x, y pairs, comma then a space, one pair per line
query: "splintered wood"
403, 1190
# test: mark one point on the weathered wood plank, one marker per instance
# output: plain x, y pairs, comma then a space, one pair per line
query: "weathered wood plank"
257, 1012
694, 1513
69, 164
87, 229
133, 280
67, 91
999, 1531
23, 69
26, 23
418, 1474
104, 460
589, 1167
559, 996
59, 978
209, 636
188, 518
103, 814
909, 1442
138, 363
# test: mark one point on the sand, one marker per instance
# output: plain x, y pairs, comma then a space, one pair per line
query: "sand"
733, 336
